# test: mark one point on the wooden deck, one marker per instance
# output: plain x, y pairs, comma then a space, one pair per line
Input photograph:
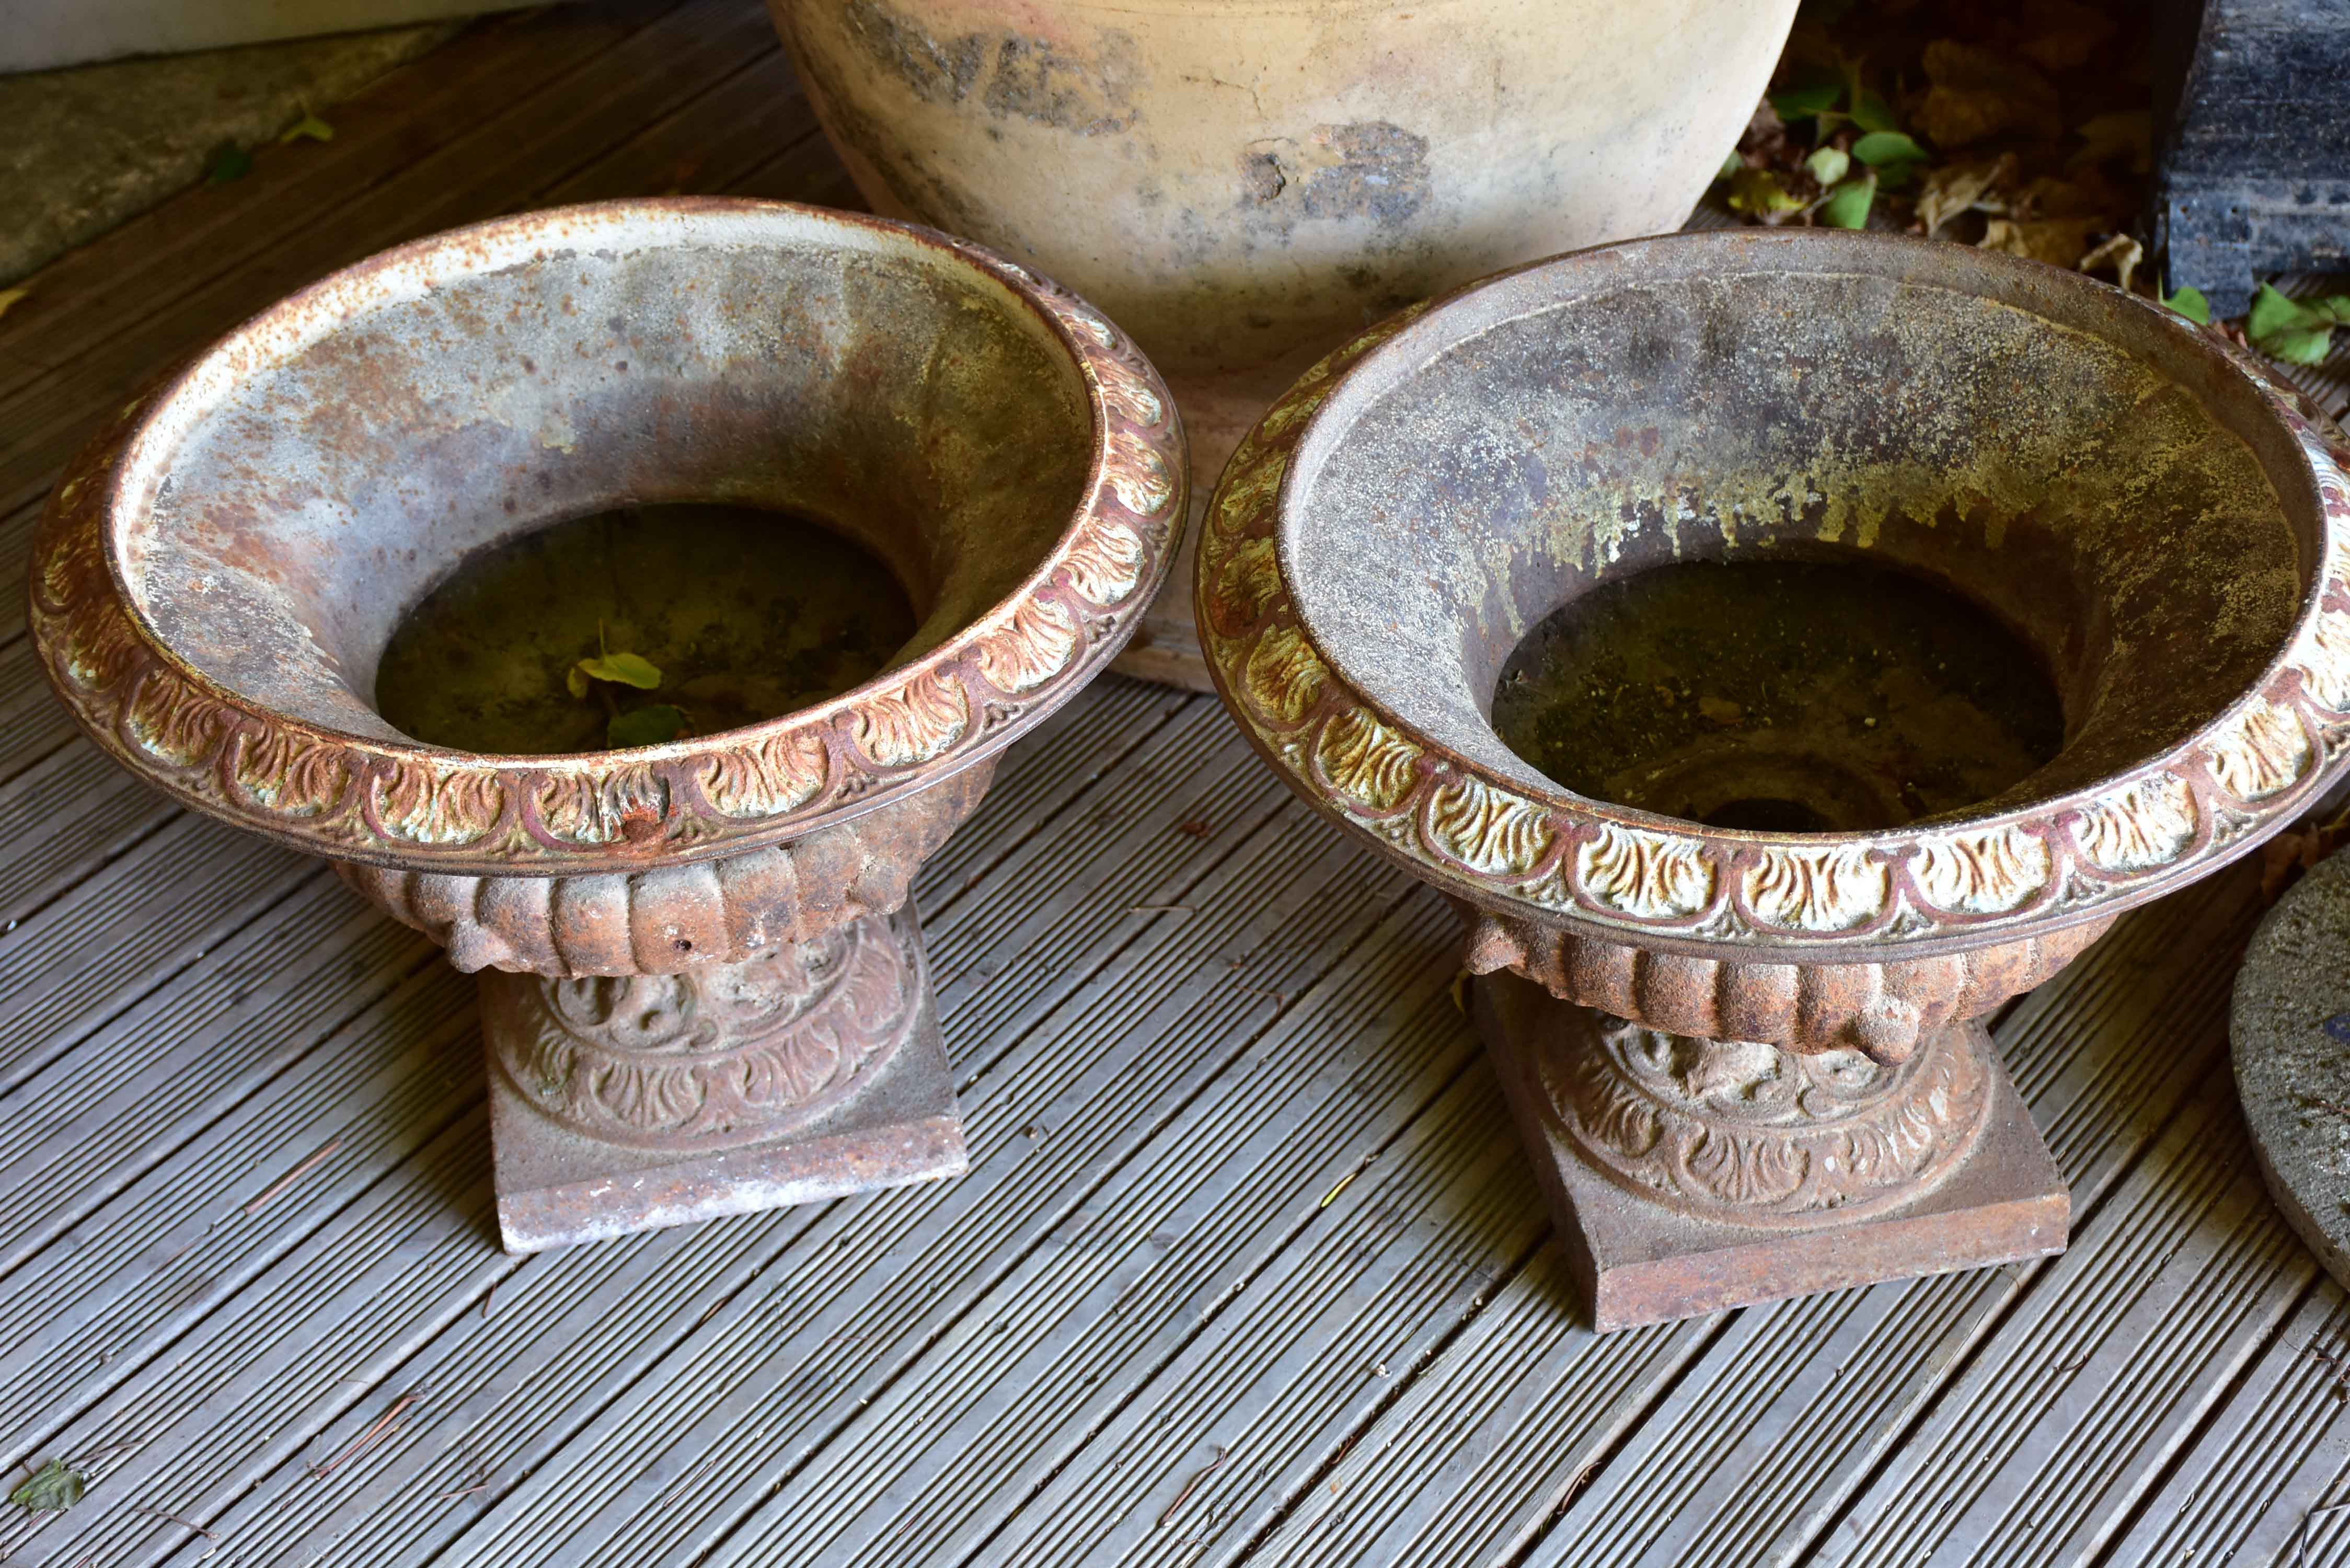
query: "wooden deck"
1247, 1268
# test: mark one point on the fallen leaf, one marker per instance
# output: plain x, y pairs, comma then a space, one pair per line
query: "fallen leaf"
2190, 303
1721, 709
1880, 148
650, 726
2122, 253
1957, 188
1848, 206
1978, 93
9, 297
2087, 195
309, 127
1806, 102
52, 1489
2059, 242
2125, 133
228, 161
1871, 112
2298, 332
1761, 193
2066, 34
622, 669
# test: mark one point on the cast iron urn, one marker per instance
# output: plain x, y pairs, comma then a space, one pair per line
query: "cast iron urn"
703, 987
1785, 647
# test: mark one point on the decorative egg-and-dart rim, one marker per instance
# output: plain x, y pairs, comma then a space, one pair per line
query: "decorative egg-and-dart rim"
1666, 885
364, 798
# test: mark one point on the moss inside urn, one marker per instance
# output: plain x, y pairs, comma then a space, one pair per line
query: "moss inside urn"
747, 614
1779, 695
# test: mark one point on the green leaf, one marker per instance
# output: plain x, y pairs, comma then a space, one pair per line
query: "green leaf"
1729, 166
1848, 206
1871, 112
2339, 303
622, 669
55, 1487
1828, 165
228, 161
646, 726
576, 679
2288, 330
2190, 303
1881, 147
2273, 313
1806, 102
309, 127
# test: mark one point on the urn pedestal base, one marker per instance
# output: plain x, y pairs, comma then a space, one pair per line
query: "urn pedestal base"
808, 1071
1687, 1174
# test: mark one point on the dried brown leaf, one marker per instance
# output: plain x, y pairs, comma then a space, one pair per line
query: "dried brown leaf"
1957, 186
2121, 253
2059, 242
1978, 93
2065, 33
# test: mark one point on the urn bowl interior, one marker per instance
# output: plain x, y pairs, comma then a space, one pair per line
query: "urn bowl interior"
312, 479
2092, 505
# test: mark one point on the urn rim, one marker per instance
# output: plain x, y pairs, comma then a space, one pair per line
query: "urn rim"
1671, 886
402, 802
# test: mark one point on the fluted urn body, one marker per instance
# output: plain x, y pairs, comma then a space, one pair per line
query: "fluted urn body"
703, 987
1735, 961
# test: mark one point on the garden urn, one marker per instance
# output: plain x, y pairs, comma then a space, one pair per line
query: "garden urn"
1243, 185
1784, 647
631, 596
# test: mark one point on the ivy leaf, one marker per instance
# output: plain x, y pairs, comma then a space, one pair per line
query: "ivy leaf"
1828, 165
621, 669
311, 128
647, 726
1806, 102
1848, 206
1880, 147
2190, 303
228, 161
54, 1488
1871, 112
2287, 330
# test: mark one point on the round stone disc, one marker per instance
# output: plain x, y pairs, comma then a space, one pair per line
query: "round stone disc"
2290, 1026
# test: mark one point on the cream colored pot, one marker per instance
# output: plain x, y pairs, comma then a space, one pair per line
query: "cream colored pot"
1244, 183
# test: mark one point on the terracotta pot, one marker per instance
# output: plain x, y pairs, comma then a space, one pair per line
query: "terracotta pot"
1745, 1059
1241, 184
703, 992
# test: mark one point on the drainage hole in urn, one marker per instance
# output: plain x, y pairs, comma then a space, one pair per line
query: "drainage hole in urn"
1779, 696
732, 614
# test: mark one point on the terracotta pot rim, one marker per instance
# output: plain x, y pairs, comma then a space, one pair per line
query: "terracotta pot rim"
1668, 884
372, 799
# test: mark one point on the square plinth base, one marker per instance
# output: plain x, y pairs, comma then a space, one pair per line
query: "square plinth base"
1637, 1262
556, 1186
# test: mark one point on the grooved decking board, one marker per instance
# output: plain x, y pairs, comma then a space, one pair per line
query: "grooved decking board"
2275, 1456
1241, 1186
